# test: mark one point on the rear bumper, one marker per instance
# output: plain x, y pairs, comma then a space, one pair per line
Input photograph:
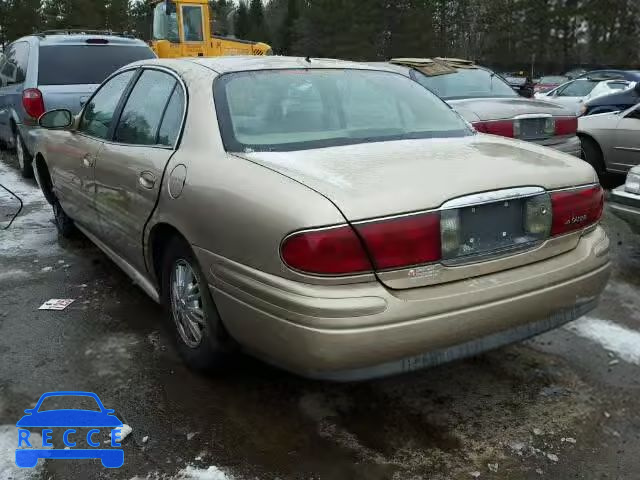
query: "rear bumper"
352, 332
626, 206
570, 145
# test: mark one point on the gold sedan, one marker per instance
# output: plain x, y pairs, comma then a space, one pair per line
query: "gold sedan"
334, 219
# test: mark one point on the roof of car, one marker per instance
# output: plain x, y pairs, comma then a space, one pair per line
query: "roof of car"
80, 38
248, 63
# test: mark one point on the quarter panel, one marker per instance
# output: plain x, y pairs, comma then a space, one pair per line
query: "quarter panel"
230, 206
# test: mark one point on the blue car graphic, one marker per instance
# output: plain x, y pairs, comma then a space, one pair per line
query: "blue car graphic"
68, 418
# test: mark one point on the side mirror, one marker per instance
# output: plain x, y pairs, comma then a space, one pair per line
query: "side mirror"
56, 119
636, 88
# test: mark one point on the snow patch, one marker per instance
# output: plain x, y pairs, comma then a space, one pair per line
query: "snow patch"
622, 341
193, 473
14, 275
125, 430
8, 444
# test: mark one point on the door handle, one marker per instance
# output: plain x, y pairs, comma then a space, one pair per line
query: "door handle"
88, 161
147, 180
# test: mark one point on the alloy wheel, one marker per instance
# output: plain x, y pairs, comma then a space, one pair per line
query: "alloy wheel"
186, 304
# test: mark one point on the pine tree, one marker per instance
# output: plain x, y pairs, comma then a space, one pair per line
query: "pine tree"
242, 22
257, 26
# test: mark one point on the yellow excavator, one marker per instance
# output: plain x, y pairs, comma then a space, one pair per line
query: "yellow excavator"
182, 28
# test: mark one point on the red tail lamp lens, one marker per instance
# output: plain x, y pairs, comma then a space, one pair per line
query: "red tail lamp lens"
576, 209
403, 242
332, 251
503, 128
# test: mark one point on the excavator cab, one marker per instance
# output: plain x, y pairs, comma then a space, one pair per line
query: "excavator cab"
182, 28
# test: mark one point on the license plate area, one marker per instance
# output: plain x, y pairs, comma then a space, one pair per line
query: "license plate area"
480, 232
534, 128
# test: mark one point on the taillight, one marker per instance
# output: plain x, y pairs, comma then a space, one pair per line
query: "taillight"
33, 102
331, 251
404, 241
576, 209
566, 126
503, 128
391, 243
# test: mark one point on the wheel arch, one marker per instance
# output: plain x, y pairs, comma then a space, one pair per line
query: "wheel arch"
159, 237
583, 136
43, 177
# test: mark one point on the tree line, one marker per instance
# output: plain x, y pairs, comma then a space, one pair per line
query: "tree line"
553, 35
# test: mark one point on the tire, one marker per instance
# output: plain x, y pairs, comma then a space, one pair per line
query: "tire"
201, 338
64, 223
592, 154
25, 160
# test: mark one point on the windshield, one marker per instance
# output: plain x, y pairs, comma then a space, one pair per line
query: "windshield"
466, 83
577, 88
66, 402
281, 110
85, 64
165, 26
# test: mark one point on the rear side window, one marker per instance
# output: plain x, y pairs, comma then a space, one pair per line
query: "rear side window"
85, 64
14, 64
170, 127
144, 109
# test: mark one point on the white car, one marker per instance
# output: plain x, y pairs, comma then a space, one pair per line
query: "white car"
575, 93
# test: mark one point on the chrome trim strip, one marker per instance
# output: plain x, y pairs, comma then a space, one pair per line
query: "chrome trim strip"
524, 116
492, 196
628, 149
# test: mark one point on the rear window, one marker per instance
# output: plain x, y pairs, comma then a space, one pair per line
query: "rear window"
85, 64
466, 83
281, 110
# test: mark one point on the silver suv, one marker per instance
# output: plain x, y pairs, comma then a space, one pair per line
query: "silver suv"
55, 69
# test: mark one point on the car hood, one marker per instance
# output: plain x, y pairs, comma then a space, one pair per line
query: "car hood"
69, 418
500, 108
386, 178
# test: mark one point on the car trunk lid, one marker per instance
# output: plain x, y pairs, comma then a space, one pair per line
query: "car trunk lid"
392, 179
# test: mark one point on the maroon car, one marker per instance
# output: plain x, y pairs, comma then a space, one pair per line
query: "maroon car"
549, 83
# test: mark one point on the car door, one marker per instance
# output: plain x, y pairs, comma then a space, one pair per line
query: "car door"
130, 168
73, 158
12, 76
626, 147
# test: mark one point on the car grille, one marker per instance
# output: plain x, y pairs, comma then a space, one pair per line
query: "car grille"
533, 128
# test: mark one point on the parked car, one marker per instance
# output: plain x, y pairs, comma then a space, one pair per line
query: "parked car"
485, 100
611, 141
335, 219
624, 201
575, 73
575, 93
549, 82
630, 75
618, 101
55, 70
